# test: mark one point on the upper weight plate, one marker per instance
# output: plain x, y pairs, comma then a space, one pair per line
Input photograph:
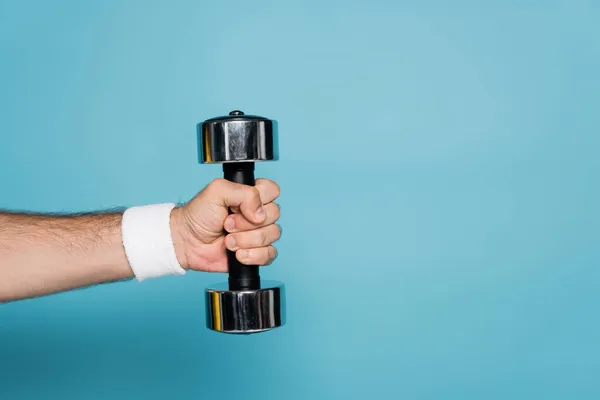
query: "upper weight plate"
237, 137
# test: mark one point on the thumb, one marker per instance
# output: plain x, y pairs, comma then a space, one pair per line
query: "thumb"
246, 198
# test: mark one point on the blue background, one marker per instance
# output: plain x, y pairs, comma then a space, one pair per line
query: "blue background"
439, 173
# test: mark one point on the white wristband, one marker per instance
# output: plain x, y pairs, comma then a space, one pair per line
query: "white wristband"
146, 232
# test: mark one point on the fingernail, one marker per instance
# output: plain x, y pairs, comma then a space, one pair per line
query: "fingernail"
231, 242
260, 213
229, 224
243, 254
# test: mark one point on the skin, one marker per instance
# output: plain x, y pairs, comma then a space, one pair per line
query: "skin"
46, 254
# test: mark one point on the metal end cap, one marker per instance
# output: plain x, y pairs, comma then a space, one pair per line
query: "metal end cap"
248, 311
237, 138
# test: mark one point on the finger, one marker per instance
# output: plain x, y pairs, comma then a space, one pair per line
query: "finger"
235, 195
269, 190
257, 256
260, 237
237, 222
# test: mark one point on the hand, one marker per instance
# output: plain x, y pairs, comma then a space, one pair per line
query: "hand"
198, 227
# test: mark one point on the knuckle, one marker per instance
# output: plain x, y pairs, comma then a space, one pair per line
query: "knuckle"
271, 254
262, 237
277, 211
265, 257
261, 256
277, 232
276, 189
216, 184
253, 193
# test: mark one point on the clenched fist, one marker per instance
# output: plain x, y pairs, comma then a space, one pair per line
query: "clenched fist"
203, 228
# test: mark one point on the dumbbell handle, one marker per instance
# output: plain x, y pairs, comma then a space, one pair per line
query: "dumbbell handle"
241, 276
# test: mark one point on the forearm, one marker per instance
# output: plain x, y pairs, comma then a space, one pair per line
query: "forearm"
42, 254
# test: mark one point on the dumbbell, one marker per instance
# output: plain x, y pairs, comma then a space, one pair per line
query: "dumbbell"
244, 304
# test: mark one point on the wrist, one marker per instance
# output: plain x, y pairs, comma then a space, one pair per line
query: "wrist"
148, 241
179, 236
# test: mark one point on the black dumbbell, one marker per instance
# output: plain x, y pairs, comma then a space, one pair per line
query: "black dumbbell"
244, 304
